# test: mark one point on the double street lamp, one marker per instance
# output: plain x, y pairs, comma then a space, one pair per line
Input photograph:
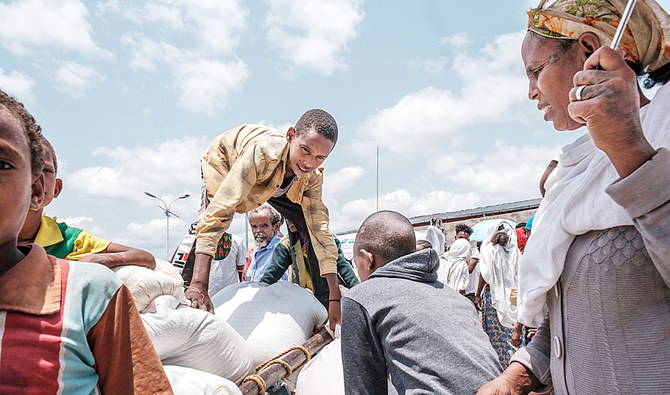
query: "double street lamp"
166, 209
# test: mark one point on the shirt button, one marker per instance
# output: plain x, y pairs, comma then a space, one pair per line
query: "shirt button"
558, 349
556, 291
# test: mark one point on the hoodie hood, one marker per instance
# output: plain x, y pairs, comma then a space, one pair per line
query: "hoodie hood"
418, 266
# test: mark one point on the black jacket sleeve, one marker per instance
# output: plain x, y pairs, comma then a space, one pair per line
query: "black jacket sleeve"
344, 269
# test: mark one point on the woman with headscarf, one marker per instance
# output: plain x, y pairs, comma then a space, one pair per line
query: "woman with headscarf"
599, 258
453, 270
498, 285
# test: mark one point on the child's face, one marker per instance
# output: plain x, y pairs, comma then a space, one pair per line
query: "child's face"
307, 151
52, 185
19, 188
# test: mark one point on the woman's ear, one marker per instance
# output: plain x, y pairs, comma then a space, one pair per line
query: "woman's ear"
589, 43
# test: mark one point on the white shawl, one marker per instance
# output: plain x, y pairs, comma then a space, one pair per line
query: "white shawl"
500, 268
453, 270
576, 204
436, 238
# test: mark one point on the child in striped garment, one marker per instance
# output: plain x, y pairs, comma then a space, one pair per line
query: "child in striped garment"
65, 327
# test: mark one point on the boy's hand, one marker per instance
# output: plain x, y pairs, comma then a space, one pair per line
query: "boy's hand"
334, 314
198, 291
199, 297
334, 301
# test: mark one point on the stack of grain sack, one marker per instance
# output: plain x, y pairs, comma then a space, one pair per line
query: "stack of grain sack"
253, 323
271, 318
201, 353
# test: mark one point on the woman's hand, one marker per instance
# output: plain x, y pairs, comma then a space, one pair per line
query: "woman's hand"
478, 303
606, 97
516, 379
516, 334
499, 386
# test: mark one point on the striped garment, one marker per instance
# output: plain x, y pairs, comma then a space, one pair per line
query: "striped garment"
70, 327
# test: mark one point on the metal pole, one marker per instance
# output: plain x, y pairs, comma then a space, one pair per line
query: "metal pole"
377, 207
166, 209
167, 236
246, 231
627, 12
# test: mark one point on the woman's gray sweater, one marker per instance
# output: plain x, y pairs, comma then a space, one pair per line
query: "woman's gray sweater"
608, 324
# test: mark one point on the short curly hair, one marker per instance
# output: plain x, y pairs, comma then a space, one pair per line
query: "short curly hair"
463, 228
31, 129
319, 121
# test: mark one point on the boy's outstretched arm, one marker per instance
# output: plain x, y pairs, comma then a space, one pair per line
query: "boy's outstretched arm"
119, 255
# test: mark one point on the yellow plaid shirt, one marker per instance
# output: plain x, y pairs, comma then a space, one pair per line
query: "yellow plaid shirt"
242, 168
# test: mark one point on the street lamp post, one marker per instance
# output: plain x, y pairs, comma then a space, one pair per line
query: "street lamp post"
166, 209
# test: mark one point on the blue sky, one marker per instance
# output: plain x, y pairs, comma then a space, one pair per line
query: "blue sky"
131, 92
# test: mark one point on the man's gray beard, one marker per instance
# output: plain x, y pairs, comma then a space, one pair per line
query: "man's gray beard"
263, 243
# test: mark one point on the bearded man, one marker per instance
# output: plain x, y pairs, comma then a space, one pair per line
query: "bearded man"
265, 222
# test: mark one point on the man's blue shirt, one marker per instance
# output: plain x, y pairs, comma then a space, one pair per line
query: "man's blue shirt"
260, 257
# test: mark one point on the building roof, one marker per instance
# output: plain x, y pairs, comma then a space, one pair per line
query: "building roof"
472, 212
479, 211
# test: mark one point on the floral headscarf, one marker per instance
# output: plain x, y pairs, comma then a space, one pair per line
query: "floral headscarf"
646, 40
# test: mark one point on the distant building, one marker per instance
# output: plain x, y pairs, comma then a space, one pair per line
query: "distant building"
515, 211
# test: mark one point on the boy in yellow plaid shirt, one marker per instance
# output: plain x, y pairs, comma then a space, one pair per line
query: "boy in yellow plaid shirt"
252, 164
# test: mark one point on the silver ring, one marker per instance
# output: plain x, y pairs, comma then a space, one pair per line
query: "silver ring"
578, 93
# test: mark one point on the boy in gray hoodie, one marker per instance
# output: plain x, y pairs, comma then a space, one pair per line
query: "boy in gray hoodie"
401, 322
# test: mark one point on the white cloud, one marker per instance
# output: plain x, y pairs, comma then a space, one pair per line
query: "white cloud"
341, 182
430, 66
314, 34
421, 123
150, 236
509, 172
205, 74
408, 203
75, 79
146, 53
85, 223
206, 84
30, 24
216, 24
456, 41
167, 169
18, 85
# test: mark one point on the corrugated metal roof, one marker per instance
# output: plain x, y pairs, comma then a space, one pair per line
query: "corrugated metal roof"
481, 211
474, 212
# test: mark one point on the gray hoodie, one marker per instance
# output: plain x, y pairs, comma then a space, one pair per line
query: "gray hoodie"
405, 324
